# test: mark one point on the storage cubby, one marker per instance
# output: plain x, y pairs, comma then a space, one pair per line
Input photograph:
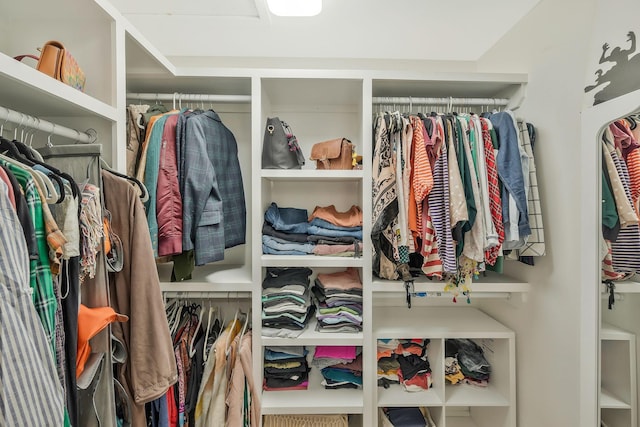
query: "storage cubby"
316, 399
462, 404
85, 32
396, 395
618, 389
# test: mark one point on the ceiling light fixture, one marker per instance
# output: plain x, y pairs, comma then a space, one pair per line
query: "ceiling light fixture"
295, 7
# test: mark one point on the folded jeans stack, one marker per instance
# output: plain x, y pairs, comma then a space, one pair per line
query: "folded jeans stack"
339, 303
285, 368
286, 301
341, 366
465, 363
289, 231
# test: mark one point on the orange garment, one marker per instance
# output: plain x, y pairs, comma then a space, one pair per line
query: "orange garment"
422, 181
349, 218
633, 165
145, 144
387, 352
90, 322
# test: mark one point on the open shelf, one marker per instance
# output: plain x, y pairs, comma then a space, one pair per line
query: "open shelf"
315, 400
609, 401
460, 422
469, 395
208, 278
492, 282
395, 395
25, 89
310, 261
311, 175
610, 332
437, 322
624, 287
311, 337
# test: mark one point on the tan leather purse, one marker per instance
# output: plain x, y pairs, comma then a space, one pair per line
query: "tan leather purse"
337, 154
56, 61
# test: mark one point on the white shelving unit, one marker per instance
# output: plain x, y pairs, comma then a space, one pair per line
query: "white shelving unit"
461, 404
319, 105
618, 387
315, 400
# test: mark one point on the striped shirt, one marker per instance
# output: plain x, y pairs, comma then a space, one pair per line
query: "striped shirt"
439, 204
626, 247
41, 280
31, 392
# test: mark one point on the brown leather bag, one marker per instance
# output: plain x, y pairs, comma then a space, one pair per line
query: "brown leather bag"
333, 154
56, 61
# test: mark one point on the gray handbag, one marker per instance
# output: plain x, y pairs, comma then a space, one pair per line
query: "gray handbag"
280, 148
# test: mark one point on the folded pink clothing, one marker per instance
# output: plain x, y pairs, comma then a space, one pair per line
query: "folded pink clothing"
347, 352
350, 218
335, 249
344, 280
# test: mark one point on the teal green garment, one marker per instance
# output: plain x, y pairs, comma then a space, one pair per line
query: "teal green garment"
465, 174
332, 310
498, 267
151, 178
473, 144
609, 211
494, 139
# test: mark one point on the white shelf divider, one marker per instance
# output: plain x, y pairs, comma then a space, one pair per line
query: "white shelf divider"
492, 283
311, 337
311, 175
208, 278
436, 322
469, 395
610, 401
25, 89
395, 395
310, 261
315, 400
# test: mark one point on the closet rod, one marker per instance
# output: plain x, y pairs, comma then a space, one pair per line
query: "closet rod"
245, 99
220, 295
409, 100
25, 120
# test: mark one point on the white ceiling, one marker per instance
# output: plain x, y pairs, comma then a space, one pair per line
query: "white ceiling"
448, 30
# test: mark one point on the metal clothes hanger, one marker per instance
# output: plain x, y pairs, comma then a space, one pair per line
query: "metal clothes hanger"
144, 193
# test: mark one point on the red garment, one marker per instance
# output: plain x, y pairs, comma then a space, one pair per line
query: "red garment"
172, 409
169, 200
495, 204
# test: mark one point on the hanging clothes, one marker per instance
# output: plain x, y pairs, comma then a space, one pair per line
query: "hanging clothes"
456, 182
214, 209
150, 368
30, 383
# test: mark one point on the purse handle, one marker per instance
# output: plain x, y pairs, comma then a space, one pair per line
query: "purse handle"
21, 57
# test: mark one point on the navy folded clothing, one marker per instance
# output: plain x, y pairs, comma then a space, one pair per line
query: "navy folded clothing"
405, 417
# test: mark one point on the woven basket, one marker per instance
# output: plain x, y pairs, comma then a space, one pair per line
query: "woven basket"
305, 421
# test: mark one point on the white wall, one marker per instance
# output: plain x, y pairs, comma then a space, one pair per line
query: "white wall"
551, 44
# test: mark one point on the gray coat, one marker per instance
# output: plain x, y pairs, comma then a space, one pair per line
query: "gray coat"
214, 210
